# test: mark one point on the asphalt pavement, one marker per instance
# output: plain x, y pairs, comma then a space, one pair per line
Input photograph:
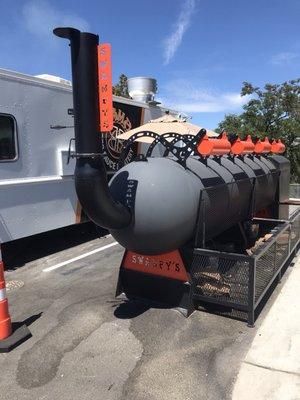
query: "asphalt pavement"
86, 344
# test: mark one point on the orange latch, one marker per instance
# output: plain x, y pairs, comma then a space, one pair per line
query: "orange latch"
277, 147
211, 146
262, 146
242, 146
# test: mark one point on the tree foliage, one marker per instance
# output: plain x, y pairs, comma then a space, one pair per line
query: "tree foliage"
121, 88
273, 111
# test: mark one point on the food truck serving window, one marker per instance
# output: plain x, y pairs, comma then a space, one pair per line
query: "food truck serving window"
8, 145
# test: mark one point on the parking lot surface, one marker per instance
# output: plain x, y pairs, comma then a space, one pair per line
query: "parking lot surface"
86, 344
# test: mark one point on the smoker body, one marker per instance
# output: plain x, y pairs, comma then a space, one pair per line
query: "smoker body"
164, 197
152, 206
157, 207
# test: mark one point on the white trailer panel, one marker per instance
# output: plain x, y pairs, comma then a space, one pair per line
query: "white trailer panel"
37, 191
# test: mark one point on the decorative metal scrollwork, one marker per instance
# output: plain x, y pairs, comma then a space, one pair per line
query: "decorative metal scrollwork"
182, 152
192, 144
181, 138
176, 138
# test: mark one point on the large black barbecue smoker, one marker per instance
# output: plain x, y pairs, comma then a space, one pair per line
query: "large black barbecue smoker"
209, 225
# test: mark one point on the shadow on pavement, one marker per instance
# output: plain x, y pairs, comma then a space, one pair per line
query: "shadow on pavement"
133, 308
130, 309
19, 252
28, 321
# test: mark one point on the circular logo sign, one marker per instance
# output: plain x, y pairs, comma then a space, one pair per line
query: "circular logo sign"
114, 146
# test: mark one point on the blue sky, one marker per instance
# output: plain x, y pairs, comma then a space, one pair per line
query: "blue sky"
200, 51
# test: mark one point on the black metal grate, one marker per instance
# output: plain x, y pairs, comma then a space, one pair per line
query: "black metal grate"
234, 284
265, 266
295, 231
225, 311
282, 248
221, 278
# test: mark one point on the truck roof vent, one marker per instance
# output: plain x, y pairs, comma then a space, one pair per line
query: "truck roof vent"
142, 88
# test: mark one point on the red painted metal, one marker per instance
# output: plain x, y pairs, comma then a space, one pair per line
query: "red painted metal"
211, 146
277, 147
243, 146
262, 146
169, 265
105, 88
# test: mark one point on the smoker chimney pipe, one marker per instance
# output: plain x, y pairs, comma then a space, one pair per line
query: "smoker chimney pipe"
90, 172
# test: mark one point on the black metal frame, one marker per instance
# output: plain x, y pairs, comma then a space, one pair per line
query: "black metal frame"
262, 268
221, 282
180, 152
248, 279
200, 234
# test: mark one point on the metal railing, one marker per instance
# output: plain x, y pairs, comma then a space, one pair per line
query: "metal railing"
236, 284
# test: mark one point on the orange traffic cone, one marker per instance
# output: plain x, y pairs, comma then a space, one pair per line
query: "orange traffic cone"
9, 337
5, 321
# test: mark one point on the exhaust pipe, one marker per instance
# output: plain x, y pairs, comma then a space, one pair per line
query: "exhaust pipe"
90, 172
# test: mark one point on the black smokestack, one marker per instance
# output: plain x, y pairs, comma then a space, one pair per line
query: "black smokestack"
90, 173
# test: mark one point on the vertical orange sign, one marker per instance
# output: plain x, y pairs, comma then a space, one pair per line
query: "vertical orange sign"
105, 88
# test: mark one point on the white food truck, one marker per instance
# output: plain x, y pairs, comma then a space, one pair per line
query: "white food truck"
37, 191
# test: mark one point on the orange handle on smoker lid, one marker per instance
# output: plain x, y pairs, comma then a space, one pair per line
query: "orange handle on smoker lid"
262, 146
211, 146
277, 147
243, 146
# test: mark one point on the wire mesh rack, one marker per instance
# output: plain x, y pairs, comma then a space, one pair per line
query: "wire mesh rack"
237, 285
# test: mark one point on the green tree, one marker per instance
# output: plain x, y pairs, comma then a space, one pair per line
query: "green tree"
121, 88
273, 111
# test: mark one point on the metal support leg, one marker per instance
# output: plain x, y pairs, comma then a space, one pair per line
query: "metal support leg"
251, 294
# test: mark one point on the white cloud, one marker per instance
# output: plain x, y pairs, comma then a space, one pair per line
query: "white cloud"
284, 58
186, 96
172, 42
40, 17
